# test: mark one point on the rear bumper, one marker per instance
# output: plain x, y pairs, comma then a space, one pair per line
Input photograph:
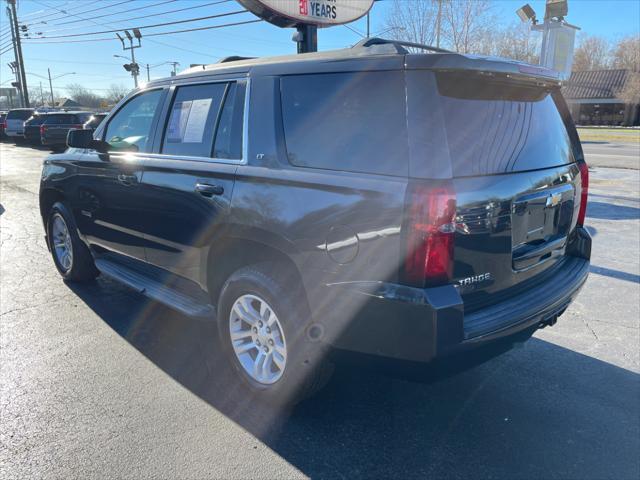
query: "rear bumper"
424, 324
54, 140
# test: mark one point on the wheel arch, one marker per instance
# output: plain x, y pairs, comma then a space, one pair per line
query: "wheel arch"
232, 253
48, 197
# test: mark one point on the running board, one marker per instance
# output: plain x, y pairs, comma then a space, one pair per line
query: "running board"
182, 302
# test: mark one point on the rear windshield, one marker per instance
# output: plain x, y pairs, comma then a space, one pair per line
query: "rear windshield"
19, 114
494, 127
65, 119
36, 120
95, 120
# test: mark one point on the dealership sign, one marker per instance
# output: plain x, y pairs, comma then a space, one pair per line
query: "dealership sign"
323, 13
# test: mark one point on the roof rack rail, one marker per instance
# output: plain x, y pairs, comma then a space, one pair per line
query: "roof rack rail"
234, 58
370, 42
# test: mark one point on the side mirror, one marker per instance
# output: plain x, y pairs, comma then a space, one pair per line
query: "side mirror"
79, 138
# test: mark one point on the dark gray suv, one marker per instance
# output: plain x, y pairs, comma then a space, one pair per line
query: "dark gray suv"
404, 205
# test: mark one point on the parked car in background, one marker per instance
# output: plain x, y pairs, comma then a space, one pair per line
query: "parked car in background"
32, 127
3, 116
53, 131
403, 205
94, 121
14, 123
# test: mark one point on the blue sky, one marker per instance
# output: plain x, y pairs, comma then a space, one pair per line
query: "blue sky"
96, 68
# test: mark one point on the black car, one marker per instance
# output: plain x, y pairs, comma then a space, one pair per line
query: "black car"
32, 128
3, 116
95, 120
403, 205
53, 131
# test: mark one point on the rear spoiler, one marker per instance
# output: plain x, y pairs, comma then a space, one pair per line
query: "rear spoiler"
490, 66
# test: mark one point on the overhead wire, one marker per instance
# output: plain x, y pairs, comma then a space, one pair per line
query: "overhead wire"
119, 13
36, 41
141, 27
141, 16
73, 11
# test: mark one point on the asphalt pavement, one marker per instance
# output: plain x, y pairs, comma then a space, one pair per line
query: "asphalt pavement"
618, 155
98, 382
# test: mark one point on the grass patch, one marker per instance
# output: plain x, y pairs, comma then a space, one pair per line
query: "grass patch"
609, 135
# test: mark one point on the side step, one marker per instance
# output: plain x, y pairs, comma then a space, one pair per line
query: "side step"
190, 305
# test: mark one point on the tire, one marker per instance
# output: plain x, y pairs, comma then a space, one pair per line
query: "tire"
79, 266
305, 370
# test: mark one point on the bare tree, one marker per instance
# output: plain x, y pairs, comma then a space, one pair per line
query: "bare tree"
516, 41
626, 53
413, 21
593, 53
116, 93
466, 24
630, 93
83, 96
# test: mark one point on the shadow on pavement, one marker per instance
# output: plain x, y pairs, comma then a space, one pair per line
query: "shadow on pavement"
610, 211
541, 411
608, 272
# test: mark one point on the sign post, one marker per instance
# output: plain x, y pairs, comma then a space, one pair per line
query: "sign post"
306, 16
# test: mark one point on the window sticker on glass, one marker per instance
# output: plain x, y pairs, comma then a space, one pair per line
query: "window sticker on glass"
197, 120
178, 122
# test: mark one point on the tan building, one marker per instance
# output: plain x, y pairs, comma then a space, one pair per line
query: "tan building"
594, 98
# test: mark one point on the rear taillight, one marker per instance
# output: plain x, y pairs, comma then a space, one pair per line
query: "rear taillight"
584, 180
429, 230
43, 129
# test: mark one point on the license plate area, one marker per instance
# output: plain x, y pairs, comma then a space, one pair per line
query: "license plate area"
541, 222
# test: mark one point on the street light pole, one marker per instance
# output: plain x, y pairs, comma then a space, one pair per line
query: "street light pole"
50, 86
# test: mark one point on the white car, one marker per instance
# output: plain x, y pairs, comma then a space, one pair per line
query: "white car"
14, 123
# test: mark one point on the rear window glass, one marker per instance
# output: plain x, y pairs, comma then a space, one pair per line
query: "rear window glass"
19, 114
494, 127
229, 133
346, 121
192, 120
60, 119
36, 120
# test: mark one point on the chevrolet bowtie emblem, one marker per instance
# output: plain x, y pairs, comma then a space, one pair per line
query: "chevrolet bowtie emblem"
553, 200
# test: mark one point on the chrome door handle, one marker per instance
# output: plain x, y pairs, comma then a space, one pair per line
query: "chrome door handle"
208, 190
127, 179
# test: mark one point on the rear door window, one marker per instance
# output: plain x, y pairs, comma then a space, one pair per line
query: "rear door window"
192, 120
346, 121
229, 132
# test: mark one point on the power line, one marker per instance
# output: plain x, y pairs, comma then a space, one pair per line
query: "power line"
139, 17
165, 24
152, 34
119, 13
68, 12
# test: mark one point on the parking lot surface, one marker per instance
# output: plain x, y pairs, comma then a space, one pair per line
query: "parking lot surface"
98, 382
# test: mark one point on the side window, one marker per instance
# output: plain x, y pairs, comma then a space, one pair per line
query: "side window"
229, 134
346, 121
192, 121
130, 128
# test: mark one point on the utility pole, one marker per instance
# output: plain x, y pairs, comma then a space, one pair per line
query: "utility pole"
148, 74
15, 32
14, 65
173, 70
134, 68
50, 87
